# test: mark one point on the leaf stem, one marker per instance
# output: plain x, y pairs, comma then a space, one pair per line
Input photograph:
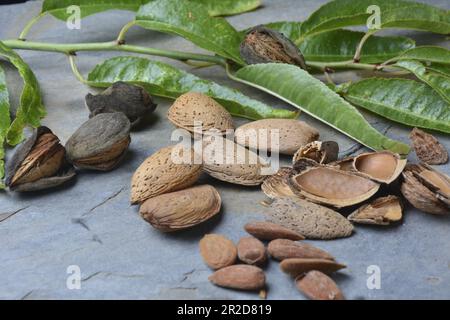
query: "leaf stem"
121, 37
75, 70
72, 48
357, 56
28, 26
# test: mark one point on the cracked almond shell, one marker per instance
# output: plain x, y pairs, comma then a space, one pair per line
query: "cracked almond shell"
217, 251
277, 185
383, 166
100, 143
243, 166
428, 149
38, 163
318, 286
194, 107
381, 211
322, 152
330, 186
426, 189
181, 209
309, 219
292, 135
158, 174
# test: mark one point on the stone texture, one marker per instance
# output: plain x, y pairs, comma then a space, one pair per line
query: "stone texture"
90, 223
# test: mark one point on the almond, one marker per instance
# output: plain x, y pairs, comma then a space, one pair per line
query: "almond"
181, 209
227, 161
251, 251
428, 148
281, 249
298, 266
318, 286
264, 230
158, 174
292, 134
240, 276
199, 108
217, 251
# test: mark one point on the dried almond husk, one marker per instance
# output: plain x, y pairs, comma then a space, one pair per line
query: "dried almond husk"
225, 160
381, 211
38, 163
428, 149
318, 286
181, 209
193, 109
291, 133
322, 152
217, 251
330, 186
298, 266
277, 185
383, 166
309, 219
159, 174
426, 189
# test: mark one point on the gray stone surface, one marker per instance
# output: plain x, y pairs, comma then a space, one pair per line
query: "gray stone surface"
90, 223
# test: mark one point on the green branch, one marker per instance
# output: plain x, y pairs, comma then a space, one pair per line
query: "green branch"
28, 26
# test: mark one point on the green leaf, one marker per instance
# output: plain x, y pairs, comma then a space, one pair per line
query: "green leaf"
437, 81
313, 97
443, 69
394, 14
228, 7
192, 21
340, 45
426, 53
31, 109
405, 101
58, 8
164, 80
4, 122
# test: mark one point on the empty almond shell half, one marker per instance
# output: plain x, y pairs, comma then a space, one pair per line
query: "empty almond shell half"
381, 211
192, 110
181, 209
330, 186
383, 166
289, 134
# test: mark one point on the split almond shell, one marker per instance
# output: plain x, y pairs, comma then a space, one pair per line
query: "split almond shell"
381, 211
383, 167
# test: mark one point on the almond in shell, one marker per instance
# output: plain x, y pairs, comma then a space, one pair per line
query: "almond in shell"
318, 286
217, 251
240, 276
428, 148
181, 209
159, 174
281, 249
291, 133
193, 109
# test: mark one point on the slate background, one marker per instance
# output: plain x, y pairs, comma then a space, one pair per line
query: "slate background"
90, 223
